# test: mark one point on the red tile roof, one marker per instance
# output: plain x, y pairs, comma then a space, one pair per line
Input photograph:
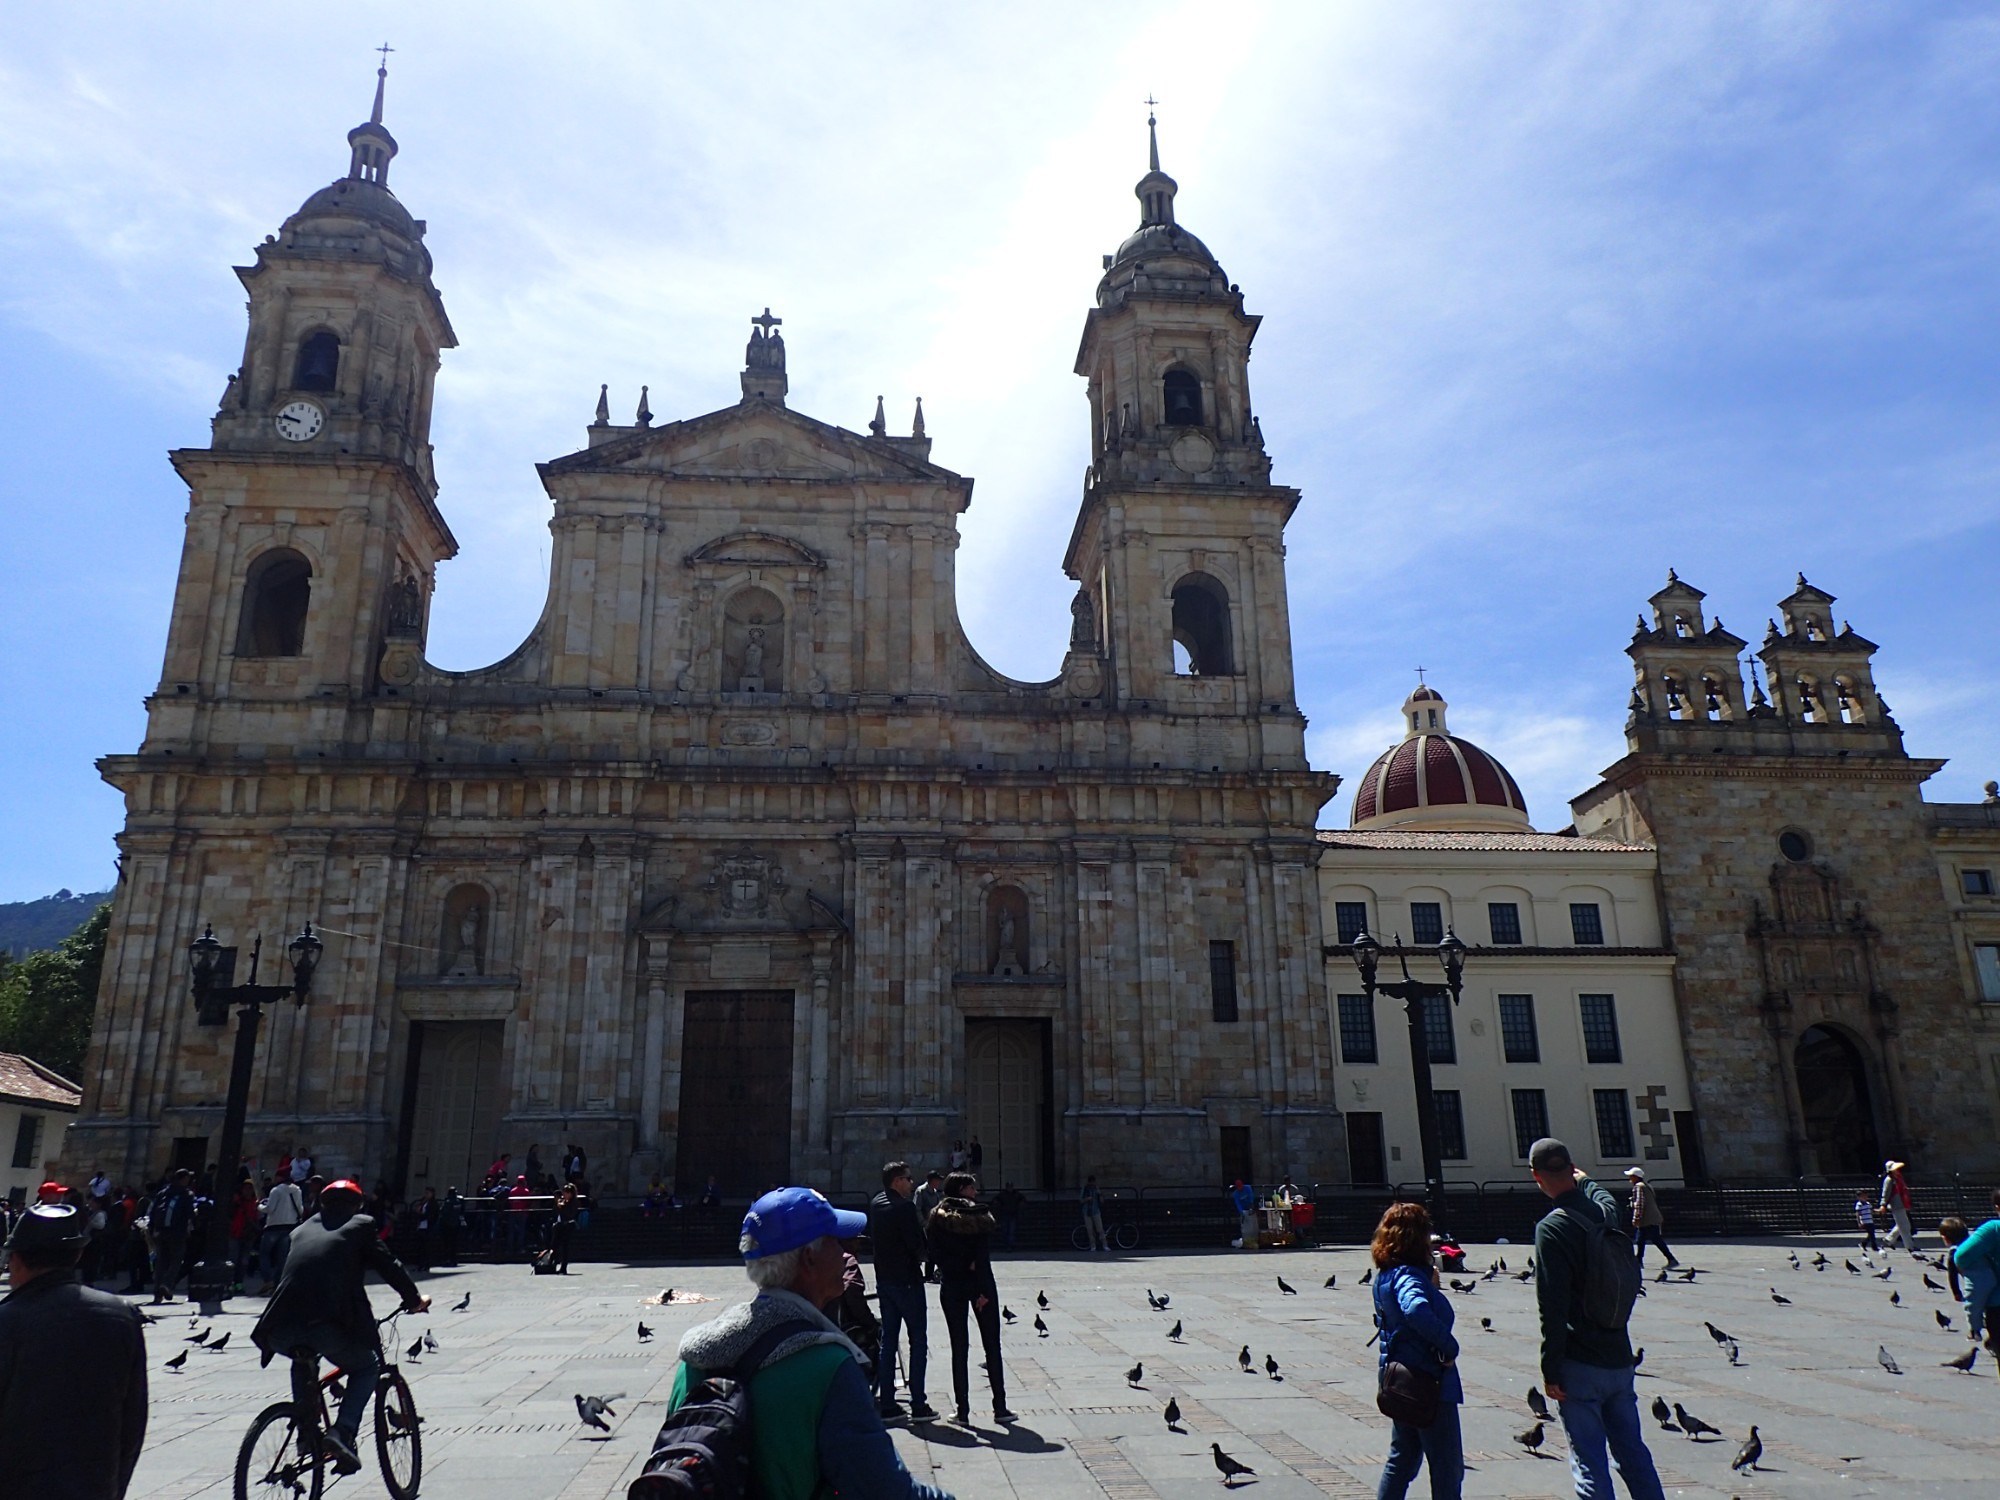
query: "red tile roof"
1488, 843
25, 1081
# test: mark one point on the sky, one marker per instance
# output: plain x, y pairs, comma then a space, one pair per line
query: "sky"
1555, 296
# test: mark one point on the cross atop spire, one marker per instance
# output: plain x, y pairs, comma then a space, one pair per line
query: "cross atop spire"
1152, 136
371, 144
1420, 675
381, 78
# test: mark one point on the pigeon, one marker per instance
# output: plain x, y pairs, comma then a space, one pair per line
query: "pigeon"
219, 1345
1162, 1303
1287, 1288
1173, 1415
144, 1316
1687, 1274
1942, 1320
1820, 1261
1531, 1439
1487, 1324
1174, 1332
1663, 1414
462, 1303
1852, 1268
1041, 1328
1749, 1453
666, 1295
1716, 1333
1538, 1403
1367, 1276
202, 1337
181, 1358
1463, 1287
1524, 1275
1271, 1367
1007, 1314
1152, 1301
1639, 1358
416, 1348
1895, 1299
1962, 1362
1781, 1301
591, 1410
1331, 1281
1692, 1425
645, 1333
1885, 1273
1501, 1263
1734, 1352
1243, 1358
1491, 1272
1042, 1301
1931, 1284
1227, 1466
1793, 1257
1887, 1360
430, 1342
1136, 1374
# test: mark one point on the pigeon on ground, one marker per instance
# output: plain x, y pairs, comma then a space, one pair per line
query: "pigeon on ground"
1331, 1281
1042, 1301
645, 1333
1007, 1314
1734, 1352
1852, 1268
1663, 1414
1156, 1303
1963, 1361
1174, 1332
1041, 1328
1367, 1276
202, 1337
1931, 1284
1793, 1257
219, 1345
1243, 1358
1487, 1324
1271, 1367
1639, 1358
591, 1410
1502, 1262
1173, 1415
1524, 1275
1538, 1403
1781, 1301
1464, 1287
416, 1348
1531, 1439
1819, 1258
1885, 1273
1491, 1272
430, 1342
1749, 1453
1136, 1374
1227, 1466
1943, 1321
182, 1358
1887, 1360
1692, 1425
462, 1303
1287, 1288
1716, 1333
1687, 1274
1895, 1299
666, 1295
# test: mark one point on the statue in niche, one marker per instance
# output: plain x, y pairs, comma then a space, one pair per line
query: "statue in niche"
465, 946
1008, 933
753, 642
752, 680
1082, 622
406, 608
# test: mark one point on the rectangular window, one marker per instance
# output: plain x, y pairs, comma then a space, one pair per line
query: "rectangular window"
1236, 1162
1222, 980
1586, 923
1986, 958
1517, 1029
1614, 1122
1531, 1119
1357, 1029
1451, 1124
1976, 882
1600, 1029
26, 1138
1437, 1029
1503, 921
1350, 920
1426, 922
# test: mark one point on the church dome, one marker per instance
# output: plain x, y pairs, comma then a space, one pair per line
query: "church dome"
358, 198
1436, 780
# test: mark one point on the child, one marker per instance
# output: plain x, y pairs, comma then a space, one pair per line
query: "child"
1864, 1216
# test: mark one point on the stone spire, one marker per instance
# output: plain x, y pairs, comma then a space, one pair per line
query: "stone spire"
1156, 189
645, 414
370, 145
879, 427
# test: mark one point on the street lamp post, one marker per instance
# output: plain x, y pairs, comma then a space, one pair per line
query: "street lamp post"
212, 1276
1415, 995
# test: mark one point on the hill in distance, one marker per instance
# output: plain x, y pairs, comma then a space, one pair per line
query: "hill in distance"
28, 925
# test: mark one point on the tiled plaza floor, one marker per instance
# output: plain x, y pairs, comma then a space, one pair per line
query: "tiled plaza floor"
500, 1421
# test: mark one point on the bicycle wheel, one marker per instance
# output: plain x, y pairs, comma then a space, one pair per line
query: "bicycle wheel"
1080, 1237
399, 1441
1126, 1236
279, 1460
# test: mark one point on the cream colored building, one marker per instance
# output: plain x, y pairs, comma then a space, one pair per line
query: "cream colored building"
1568, 1023
36, 1107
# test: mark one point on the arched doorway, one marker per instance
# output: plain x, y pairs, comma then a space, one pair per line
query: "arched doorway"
1839, 1109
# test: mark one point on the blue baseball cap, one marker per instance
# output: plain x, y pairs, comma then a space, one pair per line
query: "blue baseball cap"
786, 1218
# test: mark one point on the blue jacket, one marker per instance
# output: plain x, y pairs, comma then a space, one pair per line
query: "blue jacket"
1243, 1198
1978, 1261
1415, 1318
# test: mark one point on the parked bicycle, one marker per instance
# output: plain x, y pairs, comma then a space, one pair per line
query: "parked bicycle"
283, 1458
1124, 1236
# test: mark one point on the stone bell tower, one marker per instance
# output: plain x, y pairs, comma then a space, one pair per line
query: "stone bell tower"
313, 527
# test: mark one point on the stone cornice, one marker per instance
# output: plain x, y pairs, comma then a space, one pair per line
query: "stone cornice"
1648, 764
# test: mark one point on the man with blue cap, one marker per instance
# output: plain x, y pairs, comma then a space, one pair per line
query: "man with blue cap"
815, 1426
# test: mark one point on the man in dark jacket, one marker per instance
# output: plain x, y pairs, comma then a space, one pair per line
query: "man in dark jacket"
321, 1308
1586, 1367
167, 1225
72, 1370
898, 1235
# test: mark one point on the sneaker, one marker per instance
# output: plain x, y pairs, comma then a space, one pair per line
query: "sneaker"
1236, 1244
964, 1417
341, 1449
1002, 1415
922, 1411
894, 1416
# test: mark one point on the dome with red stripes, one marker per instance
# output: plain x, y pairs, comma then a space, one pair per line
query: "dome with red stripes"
1434, 779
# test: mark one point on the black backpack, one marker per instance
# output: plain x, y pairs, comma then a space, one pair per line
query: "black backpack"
1610, 1273
704, 1448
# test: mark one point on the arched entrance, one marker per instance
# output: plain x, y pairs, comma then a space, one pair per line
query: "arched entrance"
1839, 1109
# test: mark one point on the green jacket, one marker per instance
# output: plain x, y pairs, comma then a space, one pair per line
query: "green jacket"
786, 1398
1559, 1249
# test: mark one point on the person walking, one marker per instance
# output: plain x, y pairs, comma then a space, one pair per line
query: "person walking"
1243, 1199
1648, 1223
72, 1370
898, 1236
1092, 1205
245, 1231
960, 1231
1975, 1273
975, 1156
563, 1231
171, 1218
1415, 1319
1895, 1202
283, 1206
814, 1429
1587, 1360
1864, 1220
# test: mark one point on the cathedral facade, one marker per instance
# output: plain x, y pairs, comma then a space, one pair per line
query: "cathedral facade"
744, 864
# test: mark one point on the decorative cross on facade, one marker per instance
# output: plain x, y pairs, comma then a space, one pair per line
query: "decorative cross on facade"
766, 323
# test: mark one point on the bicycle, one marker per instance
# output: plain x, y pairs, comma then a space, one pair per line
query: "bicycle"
282, 1457
1124, 1236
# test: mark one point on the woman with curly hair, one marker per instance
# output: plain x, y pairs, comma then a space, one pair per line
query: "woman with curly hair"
1415, 1319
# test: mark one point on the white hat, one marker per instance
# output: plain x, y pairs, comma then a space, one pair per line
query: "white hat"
1892, 1166
1638, 1172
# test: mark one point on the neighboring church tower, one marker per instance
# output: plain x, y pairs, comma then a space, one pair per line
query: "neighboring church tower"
313, 528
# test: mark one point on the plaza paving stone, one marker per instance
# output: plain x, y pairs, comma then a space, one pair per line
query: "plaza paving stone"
500, 1421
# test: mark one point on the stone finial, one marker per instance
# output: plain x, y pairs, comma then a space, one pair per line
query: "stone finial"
1993, 793
917, 425
645, 414
880, 426
603, 407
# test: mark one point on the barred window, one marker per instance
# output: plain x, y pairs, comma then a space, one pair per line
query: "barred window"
1503, 921
1450, 1123
1357, 1029
1531, 1119
1614, 1122
1442, 1041
1350, 920
1426, 922
1517, 1029
1222, 980
1586, 923
1600, 1029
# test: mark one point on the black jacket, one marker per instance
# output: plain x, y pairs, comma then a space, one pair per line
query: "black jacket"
898, 1236
325, 1281
72, 1392
1561, 1242
958, 1230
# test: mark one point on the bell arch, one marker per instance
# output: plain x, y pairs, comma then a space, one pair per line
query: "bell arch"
1201, 627
277, 593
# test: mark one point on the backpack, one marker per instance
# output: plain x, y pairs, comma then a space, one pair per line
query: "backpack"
704, 1448
1610, 1273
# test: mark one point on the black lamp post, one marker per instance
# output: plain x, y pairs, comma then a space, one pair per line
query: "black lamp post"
214, 967
1415, 995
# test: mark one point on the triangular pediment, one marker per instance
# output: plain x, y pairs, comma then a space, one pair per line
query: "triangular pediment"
755, 440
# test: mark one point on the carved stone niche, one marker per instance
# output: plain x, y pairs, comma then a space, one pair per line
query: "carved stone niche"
1007, 932
753, 642
464, 931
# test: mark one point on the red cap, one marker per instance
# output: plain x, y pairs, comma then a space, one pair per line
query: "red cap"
343, 1185
52, 1190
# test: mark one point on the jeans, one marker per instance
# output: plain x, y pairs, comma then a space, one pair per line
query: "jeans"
1093, 1231
902, 1305
1902, 1217
1410, 1447
169, 1251
277, 1245
1600, 1408
356, 1358
1652, 1232
957, 1297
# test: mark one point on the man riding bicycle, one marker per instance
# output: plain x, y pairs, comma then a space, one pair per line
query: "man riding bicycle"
321, 1308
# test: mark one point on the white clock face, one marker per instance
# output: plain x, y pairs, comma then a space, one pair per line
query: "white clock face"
299, 420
